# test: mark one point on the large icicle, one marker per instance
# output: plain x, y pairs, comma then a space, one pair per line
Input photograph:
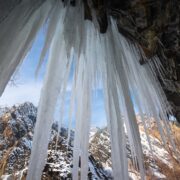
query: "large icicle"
53, 19
83, 112
17, 34
84, 87
52, 85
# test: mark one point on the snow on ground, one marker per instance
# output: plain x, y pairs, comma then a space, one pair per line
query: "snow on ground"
159, 151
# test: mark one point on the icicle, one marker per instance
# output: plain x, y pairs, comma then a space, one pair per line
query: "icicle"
71, 110
17, 34
118, 144
115, 123
78, 130
53, 19
52, 86
62, 96
131, 118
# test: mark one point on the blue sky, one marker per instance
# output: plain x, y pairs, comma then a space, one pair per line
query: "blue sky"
28, 87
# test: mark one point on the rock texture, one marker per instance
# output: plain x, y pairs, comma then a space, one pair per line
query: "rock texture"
153, 24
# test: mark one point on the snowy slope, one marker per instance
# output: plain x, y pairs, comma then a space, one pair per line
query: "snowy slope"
161, 164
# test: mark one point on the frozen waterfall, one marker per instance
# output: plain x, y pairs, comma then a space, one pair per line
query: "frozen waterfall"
107, 58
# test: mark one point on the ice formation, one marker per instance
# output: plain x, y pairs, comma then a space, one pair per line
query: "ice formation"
107, 58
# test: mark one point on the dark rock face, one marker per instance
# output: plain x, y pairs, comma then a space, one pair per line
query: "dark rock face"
153, 24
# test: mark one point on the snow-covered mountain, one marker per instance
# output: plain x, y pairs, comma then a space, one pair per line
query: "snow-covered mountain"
16, 133
160, 162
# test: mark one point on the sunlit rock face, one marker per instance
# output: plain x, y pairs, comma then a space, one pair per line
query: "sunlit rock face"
153, 24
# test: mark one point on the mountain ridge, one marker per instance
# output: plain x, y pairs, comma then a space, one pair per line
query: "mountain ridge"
16, 134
